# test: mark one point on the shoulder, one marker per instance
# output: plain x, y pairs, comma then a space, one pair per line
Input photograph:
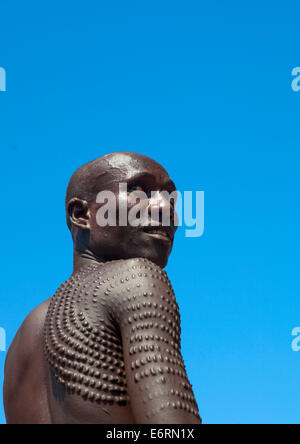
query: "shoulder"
24, 374
132, 276
29, 334
135, 270
134, 285
24, 353
34, 322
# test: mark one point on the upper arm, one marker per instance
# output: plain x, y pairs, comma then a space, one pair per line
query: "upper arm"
144, 307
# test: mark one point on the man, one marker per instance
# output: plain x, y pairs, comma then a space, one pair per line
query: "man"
105, 349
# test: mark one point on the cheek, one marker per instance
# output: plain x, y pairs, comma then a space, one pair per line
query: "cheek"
111, 236
131, 208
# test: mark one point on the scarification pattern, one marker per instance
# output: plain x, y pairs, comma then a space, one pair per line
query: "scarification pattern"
133, 300
86, 356
149, 318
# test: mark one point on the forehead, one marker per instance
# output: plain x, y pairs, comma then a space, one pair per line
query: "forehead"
126, 166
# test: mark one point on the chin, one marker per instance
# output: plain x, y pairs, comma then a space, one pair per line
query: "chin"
159, 256
160, 260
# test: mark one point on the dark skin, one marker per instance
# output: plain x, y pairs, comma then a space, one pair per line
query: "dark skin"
105, 349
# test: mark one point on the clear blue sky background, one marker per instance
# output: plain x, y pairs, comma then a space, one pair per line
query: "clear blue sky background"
205, 89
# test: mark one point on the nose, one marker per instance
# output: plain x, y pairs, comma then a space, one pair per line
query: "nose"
161, 210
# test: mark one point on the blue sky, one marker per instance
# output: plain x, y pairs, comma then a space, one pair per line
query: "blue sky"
205, 89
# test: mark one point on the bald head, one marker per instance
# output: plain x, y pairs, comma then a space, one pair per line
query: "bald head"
98, 174
114, 241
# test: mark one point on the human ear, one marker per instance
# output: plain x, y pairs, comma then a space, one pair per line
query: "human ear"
79, 213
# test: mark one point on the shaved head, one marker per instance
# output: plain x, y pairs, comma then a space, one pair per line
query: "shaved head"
94, 176
117, 241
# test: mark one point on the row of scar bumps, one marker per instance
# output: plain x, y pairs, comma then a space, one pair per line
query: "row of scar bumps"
87, 356
153, 322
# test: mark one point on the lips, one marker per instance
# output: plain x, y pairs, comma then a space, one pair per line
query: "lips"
165, 233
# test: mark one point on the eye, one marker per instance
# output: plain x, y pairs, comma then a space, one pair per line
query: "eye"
135, 188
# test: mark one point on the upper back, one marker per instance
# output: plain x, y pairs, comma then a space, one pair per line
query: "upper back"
87, 380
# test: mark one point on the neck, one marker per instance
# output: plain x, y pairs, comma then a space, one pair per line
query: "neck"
84, 259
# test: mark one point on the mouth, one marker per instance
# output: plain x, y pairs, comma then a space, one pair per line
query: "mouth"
161, 233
